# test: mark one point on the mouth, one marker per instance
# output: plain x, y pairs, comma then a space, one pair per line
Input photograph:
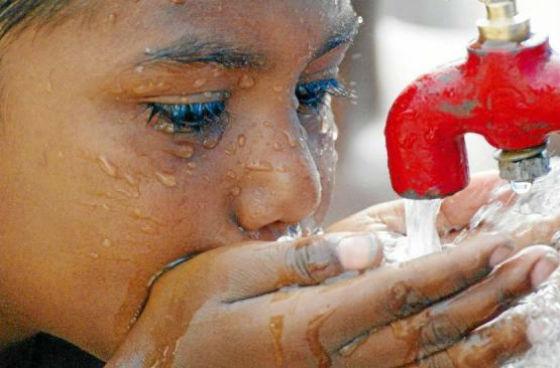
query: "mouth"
279, 231
270, 232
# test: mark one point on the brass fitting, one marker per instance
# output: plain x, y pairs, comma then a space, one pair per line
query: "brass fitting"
503, 22
524, 165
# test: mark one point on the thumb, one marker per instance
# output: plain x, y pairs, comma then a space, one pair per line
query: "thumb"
260, 268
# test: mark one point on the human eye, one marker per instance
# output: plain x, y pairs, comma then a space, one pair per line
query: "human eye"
188, 117
312, 95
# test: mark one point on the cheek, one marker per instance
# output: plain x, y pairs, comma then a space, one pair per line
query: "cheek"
169, 192
111, 187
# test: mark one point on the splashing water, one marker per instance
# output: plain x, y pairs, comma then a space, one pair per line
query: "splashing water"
516, 215
421, 237
513, 209
521, 187
421, 230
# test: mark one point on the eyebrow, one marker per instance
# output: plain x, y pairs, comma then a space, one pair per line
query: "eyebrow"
344, 35
188, 50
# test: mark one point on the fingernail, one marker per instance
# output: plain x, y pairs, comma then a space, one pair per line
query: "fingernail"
501, 254
544, 268
357, 253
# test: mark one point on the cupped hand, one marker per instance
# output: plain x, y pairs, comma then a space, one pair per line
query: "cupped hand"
238, 307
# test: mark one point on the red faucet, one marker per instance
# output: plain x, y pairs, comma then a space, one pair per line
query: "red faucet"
508, 91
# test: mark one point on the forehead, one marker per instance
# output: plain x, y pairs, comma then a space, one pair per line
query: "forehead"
266, 25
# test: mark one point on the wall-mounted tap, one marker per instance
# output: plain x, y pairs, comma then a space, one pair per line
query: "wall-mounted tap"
508, 91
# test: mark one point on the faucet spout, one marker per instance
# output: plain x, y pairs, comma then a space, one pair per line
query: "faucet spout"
507, 92
523, 166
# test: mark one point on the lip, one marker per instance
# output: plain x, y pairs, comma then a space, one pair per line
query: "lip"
270, 232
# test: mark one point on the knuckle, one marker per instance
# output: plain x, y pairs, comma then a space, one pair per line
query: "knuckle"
311, 260
405, 300
439, 333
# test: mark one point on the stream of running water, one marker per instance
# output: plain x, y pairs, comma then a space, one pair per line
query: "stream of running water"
510, 213
421, 229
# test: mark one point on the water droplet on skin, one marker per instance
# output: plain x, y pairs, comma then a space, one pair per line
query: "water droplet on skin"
235, 191
199, 83
313, 338
147, 229
211, 142
132, 181
163, 86
112, 18
138, 214
521, 187
143, 88
231, 150
246, 81
262, 166
94, 255
107, 167
231, 175
276, 327
277, 146
218, 72
277, 89
183, 151
292, 142
106, 243
192, 165
241, 140
267, 124
168, 180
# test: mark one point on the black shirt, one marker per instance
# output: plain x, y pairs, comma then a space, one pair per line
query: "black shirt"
44, 351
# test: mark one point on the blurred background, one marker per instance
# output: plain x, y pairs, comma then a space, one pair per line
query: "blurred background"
399, 41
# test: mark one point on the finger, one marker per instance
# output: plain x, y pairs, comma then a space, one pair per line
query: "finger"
532, 231
262, 268
456, 211
384, 295
541, 231
445, 323
490, 347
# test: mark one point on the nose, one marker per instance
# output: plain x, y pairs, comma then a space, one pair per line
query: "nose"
281, 181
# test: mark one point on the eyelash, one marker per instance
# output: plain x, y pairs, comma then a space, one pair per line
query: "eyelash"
196, 117
312, 95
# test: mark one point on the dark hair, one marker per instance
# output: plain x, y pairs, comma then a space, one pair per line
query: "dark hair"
19, 13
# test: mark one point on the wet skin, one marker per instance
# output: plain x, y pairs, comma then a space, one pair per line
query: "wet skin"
97, 200
98, 196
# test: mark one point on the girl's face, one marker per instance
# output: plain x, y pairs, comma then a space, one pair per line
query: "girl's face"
135, 132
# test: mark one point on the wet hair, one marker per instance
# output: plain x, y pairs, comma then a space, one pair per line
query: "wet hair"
20, 13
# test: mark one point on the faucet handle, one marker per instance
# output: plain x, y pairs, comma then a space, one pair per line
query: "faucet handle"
503, 22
